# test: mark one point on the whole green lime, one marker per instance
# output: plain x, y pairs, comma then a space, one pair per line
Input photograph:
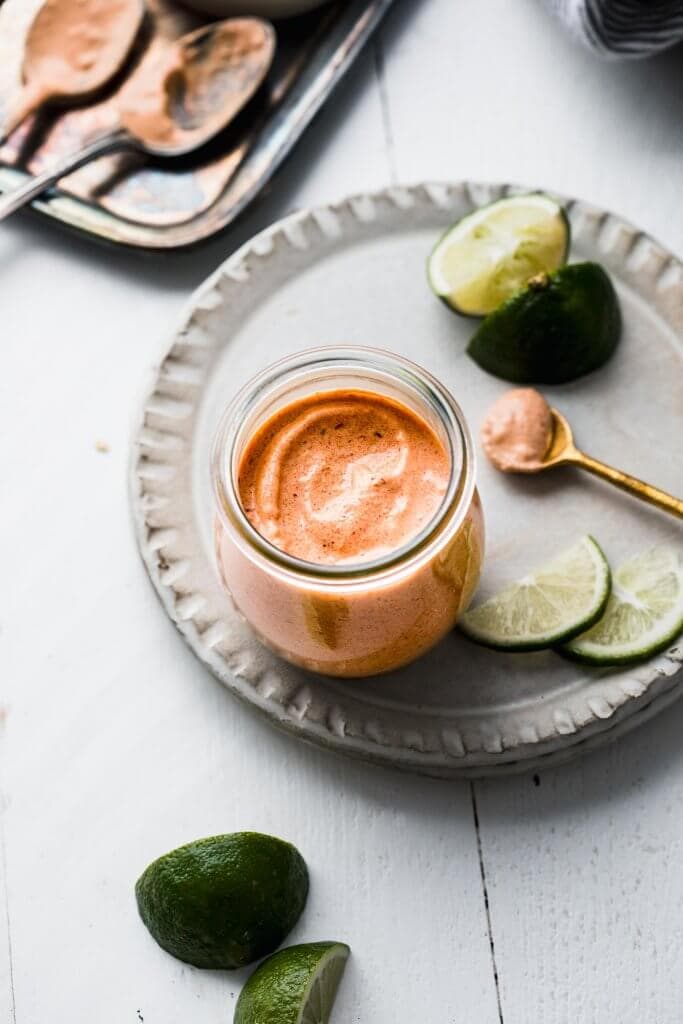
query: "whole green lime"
560, 327
224, 901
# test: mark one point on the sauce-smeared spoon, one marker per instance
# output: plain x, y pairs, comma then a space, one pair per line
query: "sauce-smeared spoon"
72, 49
522, 434
176, 100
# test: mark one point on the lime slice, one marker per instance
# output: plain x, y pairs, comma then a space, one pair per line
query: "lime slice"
297, 985
558, 328
643, 615
491, 253
224, 901
557, 601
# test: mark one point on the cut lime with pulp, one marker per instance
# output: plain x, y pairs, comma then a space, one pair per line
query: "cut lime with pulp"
297, 985
491, 253
557, 601
644, 613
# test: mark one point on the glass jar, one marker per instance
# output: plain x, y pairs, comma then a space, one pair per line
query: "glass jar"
373, 616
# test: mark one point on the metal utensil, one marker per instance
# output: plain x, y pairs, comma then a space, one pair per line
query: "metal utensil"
563, 452
176, 100
69, 57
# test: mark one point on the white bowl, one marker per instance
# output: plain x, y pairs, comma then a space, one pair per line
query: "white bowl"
262, 8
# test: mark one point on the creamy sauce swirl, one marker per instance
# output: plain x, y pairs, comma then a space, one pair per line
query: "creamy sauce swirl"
343, 477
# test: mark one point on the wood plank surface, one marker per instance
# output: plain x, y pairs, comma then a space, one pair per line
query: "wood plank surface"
115, 745
582, 870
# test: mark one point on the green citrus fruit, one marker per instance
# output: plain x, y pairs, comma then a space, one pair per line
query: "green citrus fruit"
298, 985
224, 901
560, 327
556, 601
489, 254
644, 614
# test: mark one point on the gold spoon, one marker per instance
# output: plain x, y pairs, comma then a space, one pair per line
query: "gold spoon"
177, 99
72, 49
563, 452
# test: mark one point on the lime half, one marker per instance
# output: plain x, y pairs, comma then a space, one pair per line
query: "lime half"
224, 901
557, 601
297, 985
559, 327
490, 254
644, 613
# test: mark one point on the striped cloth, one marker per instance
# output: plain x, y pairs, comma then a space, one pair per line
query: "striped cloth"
622, 28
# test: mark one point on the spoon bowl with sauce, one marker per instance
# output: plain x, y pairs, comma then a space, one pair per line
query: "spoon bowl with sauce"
177, 99
523, 434
73, 48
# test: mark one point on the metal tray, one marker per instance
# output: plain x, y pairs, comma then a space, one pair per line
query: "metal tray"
131, 201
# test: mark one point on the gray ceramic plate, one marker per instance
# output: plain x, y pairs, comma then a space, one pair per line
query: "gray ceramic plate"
355, 273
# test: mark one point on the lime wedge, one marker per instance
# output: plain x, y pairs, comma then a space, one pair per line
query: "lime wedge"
644, 613
557, 601
559, 327
297, 985
491, 253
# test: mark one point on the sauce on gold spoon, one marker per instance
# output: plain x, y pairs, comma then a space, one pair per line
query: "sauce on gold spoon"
522, 434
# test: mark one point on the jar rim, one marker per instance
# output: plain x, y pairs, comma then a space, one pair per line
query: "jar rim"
393, 368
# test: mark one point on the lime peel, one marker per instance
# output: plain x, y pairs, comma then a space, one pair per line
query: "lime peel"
644, 614
223, 901
557, 601
551, 332
297, 985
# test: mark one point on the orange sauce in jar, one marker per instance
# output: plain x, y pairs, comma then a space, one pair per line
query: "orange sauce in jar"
360, 553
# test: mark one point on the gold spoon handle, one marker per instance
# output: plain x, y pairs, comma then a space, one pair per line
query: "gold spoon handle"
631, 484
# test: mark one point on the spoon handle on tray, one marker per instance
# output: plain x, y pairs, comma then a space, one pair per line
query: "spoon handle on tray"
34, 186
631, 484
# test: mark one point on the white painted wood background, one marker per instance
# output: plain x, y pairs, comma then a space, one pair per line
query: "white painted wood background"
115, 745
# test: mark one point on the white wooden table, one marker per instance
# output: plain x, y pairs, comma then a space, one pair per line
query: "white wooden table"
555, 899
